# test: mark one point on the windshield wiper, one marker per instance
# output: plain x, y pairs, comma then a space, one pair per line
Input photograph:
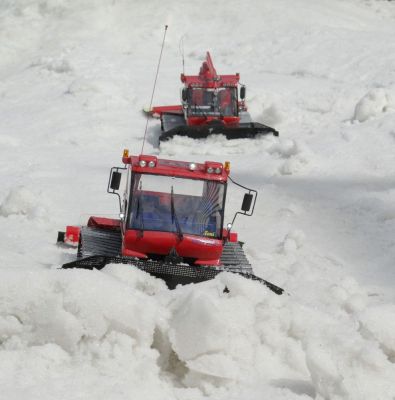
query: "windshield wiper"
174, 218
201, 110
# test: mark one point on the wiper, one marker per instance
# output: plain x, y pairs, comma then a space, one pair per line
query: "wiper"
201, 110
235, 102
174, 218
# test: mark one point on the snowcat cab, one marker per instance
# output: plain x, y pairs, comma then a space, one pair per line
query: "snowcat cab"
170, 225
210, 104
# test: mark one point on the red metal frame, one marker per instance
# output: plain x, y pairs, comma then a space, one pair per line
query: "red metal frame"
206, 251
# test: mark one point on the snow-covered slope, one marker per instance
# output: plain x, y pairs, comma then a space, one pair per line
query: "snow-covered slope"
73, 79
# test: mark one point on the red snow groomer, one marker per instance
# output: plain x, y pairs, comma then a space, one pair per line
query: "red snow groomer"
171, 223
210, 105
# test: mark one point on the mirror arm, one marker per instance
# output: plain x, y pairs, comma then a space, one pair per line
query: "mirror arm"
112, 191
248, 214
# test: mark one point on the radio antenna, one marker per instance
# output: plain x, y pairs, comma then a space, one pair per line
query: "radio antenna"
153, 90
181, 48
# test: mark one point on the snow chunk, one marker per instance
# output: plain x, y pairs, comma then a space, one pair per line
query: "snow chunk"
285, 148
292, 153
58, 65
292, 241
212, 331
374, 103
22, 201
378, 322
271, 116
66, 307
9, 326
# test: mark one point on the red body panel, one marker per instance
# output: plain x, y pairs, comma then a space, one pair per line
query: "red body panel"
104, 223
207, 251
232, 237
159, 110
72, 235
204, 120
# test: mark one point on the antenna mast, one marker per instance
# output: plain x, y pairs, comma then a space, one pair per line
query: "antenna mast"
181, 48
153, 90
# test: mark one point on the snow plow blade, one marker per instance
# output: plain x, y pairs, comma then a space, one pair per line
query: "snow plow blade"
172, 274
247, 130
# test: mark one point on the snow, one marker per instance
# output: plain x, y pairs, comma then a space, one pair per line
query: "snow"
74, 77
375, 102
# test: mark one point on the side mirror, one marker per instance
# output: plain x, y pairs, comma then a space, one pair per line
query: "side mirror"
242, 92
115, 180
184, 95
247, 201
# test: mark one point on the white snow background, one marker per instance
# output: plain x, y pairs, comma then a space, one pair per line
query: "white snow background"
74, 76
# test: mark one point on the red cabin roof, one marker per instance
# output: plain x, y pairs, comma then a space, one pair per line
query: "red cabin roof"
147, 164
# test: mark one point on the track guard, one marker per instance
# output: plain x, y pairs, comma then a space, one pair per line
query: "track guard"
248, 130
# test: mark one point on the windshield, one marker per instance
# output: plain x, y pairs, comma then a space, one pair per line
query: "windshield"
171, 204
209, 102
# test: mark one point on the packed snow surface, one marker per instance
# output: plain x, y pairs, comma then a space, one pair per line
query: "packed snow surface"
74, 77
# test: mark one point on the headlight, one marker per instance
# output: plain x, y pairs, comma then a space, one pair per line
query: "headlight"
210, 170
151, 164
218, 170
142, 163
192, 166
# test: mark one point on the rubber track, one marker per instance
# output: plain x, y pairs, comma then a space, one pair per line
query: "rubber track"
100, 247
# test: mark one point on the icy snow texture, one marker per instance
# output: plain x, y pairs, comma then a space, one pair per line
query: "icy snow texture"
21, 200
374, 103
73, 79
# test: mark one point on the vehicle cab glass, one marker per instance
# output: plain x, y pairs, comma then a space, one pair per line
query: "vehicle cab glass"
160, 203
212, 101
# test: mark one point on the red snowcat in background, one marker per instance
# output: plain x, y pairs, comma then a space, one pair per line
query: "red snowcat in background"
210, 105
171, 223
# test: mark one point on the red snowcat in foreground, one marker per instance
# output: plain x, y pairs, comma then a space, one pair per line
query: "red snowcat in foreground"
210, 105
171, 223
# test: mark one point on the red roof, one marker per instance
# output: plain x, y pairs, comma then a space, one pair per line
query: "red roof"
177, 168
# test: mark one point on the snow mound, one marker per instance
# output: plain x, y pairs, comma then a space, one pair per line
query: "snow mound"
271, 115
378, 323
59, 65
22, 201
292, 241
64, 308
216, 145
201, 339
373, 104
292, 152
